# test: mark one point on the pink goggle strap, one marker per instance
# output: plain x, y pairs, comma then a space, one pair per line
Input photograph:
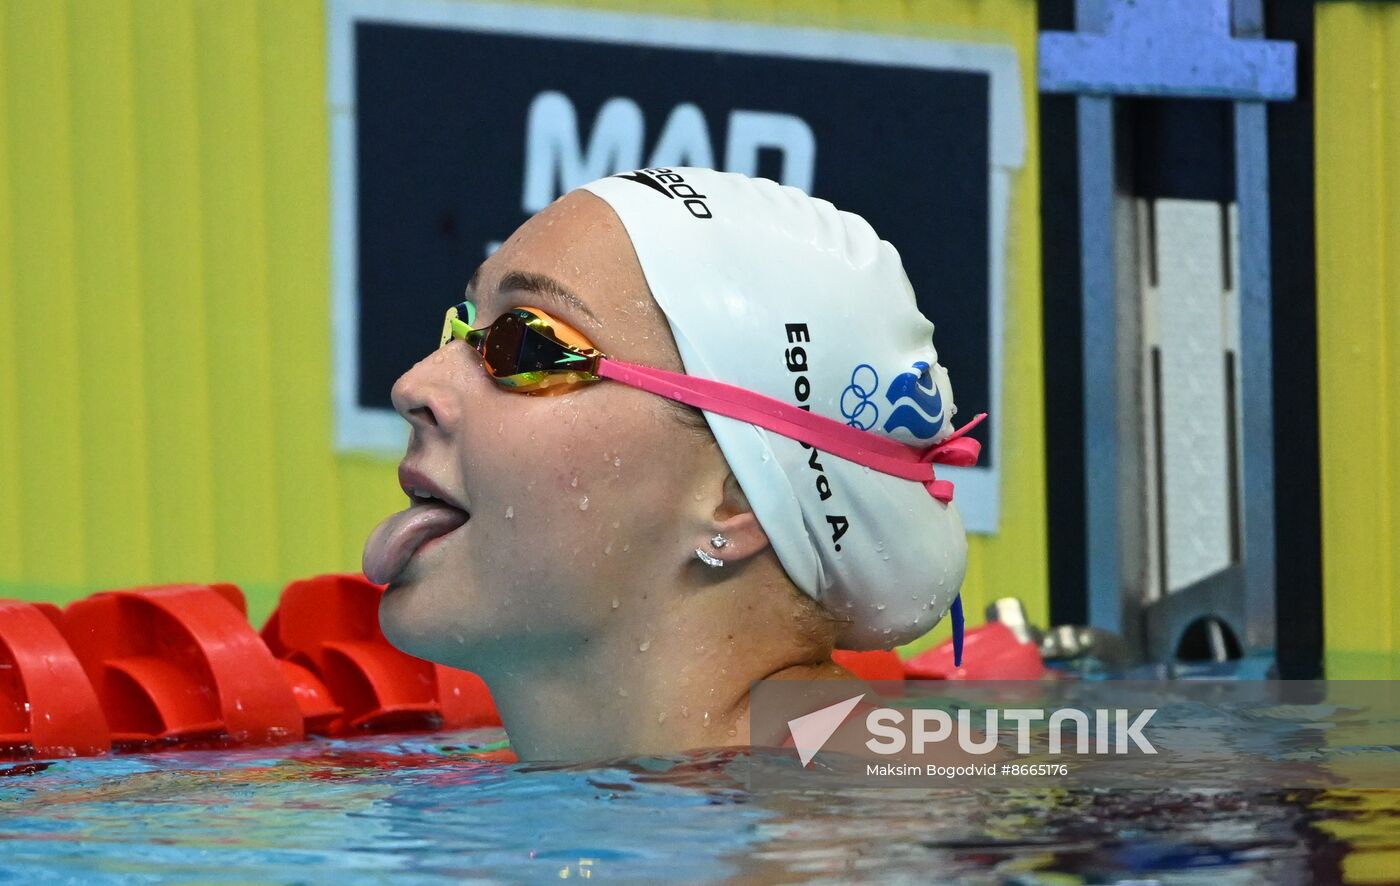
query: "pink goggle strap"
828, 435
825, 434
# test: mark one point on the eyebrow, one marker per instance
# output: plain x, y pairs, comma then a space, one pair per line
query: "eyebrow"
541, 285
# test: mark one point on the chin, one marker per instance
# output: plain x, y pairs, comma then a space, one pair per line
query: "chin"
408, 624
414, 620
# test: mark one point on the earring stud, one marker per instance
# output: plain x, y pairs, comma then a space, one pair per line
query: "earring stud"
719, 541
708, 560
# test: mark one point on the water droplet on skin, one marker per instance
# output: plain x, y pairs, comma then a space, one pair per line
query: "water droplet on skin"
879, 546
461, 641
617, 462
583, 503
622, 692
850, 604
574, 482
644, 645
661, 717
626, 548
510, 512
616, 602
887, 630
879, 607
500, 428
707, 719
733, 731
616, 524
685, 712
607, 551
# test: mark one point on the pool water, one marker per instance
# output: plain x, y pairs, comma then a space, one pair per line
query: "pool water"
436, 809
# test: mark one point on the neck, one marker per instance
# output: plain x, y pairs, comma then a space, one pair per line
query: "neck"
664, 679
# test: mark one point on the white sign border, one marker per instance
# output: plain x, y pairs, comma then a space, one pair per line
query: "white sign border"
382, 432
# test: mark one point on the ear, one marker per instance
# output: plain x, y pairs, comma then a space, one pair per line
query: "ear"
734, 519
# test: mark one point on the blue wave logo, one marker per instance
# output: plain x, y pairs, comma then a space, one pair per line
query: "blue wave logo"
917, 402
856, 400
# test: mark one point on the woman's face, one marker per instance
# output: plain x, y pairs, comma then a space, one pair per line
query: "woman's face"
579, 501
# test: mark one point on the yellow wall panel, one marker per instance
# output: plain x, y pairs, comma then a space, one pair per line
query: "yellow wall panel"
230, 83
1358, 317
11, 544
173, 316
306, 488
1390, 298
49, 401
164, 168
116, 512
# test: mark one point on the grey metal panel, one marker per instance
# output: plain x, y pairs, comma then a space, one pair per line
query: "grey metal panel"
1131, 468
1247, 18
1189, 334
1219, 595
1255, 289
1180, 48
1100, 360
1091, 15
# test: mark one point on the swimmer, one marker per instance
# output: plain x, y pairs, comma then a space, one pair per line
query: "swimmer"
618, 565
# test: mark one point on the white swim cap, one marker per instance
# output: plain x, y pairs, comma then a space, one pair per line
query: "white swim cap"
771, 290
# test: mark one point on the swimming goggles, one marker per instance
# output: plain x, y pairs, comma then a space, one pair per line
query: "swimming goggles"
526, 350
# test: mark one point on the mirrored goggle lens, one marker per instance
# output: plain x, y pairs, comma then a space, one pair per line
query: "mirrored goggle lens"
518, 354
505, 345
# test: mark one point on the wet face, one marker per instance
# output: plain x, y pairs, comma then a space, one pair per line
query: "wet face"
576, 501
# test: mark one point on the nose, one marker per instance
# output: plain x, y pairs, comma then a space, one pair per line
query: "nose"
424, 395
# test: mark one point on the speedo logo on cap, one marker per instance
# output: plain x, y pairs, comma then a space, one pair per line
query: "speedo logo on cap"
670, 185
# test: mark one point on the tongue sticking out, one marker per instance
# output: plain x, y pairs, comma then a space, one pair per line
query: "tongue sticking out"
399, 537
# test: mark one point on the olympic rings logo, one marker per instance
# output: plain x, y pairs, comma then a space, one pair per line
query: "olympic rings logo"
856, 403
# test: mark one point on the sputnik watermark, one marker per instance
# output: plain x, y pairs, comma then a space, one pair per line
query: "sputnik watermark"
895, 731
1074, 733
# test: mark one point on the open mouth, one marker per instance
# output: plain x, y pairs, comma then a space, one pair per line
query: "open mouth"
444, 512
440, 513
393, 545
445, 520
